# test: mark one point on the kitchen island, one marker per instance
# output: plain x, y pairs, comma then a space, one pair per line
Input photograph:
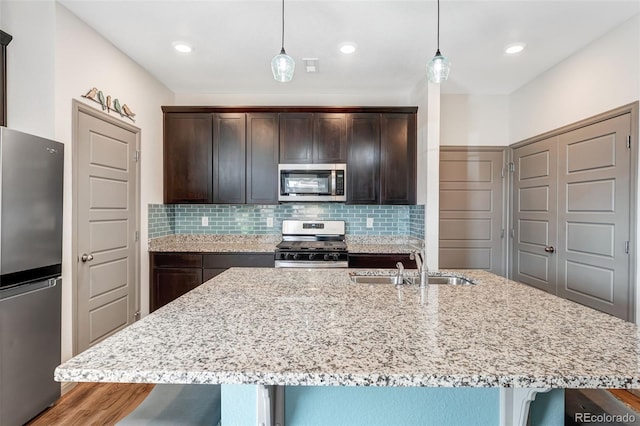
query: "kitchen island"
315, 331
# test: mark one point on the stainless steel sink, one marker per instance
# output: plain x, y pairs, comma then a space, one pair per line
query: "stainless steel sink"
392, 279
374, 279
443, 279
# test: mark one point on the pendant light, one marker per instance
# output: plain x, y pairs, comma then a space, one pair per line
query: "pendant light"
282, 65
438, 68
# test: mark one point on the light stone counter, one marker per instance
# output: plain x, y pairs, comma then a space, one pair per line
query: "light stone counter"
213, 243
316, 327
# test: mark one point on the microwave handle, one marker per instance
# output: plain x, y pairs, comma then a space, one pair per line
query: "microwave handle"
333, 182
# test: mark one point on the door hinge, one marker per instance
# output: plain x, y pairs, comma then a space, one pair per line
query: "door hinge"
502, 233
137, 236
136, 316
512, 167
136, 156
626, 247
512, 233
629, 141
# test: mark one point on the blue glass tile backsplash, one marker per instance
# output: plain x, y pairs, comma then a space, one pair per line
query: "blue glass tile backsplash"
169, 219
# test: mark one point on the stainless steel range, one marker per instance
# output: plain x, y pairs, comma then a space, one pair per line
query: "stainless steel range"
312, 244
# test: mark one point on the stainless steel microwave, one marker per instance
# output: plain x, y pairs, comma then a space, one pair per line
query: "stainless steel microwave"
312, 182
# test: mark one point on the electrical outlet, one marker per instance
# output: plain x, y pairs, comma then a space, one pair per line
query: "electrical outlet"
369, 222
269, 222
205, 221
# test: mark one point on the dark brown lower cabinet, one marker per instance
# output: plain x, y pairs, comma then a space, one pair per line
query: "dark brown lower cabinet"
380, 260
174, 274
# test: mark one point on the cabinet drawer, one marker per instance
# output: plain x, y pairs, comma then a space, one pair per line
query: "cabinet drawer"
230, 260
177, 260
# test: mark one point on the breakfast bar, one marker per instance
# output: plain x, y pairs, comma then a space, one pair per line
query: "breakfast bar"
457, 353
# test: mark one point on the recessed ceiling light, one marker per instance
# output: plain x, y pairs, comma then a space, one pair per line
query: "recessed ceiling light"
348, 48
514, 48
182, 47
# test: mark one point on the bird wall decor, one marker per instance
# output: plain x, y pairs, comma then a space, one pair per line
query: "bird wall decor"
108, 105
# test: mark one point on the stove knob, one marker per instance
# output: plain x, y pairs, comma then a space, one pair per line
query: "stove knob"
296, 256
335, 256
311, 256
326, 257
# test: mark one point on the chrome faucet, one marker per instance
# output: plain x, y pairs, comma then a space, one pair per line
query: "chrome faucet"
423, 269
400, 274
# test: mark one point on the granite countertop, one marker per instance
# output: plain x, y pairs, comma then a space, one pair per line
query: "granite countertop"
302, 327
213, 243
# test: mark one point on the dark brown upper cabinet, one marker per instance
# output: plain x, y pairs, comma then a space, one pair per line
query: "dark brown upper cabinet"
363, 160
262, 158
188, 158
230, 155
296, 138
329, 138
313, 138
229, 150
398, 159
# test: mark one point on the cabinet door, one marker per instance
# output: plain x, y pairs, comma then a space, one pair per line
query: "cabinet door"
229, 146
187, 158
380, 260
329, 138
296, 138
363, 161
398, 158
171, 283
262, 158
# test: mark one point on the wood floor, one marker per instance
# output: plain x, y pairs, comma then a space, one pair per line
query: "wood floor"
94, 404
89, 404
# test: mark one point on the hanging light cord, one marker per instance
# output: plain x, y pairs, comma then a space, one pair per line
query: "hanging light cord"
438, 35
283, 24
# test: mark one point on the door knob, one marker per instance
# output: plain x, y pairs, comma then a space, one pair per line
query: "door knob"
550, 249
86, 257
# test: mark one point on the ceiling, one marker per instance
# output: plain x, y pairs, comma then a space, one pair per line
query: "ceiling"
234, 41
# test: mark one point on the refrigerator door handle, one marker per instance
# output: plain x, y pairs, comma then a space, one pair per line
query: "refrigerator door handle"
25, 289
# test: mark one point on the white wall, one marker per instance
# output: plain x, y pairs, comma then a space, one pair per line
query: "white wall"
54, 58
427, 97
30, 65
474, 120
303, 99
602, 76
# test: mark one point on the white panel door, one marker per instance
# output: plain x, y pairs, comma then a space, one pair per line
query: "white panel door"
535, 214
472, 209
593, 216
106, 234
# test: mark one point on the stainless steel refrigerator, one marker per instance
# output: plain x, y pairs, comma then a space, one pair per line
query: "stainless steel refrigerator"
31, 185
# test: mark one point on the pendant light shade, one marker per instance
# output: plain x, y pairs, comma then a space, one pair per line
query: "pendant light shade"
283, 65
438, 68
